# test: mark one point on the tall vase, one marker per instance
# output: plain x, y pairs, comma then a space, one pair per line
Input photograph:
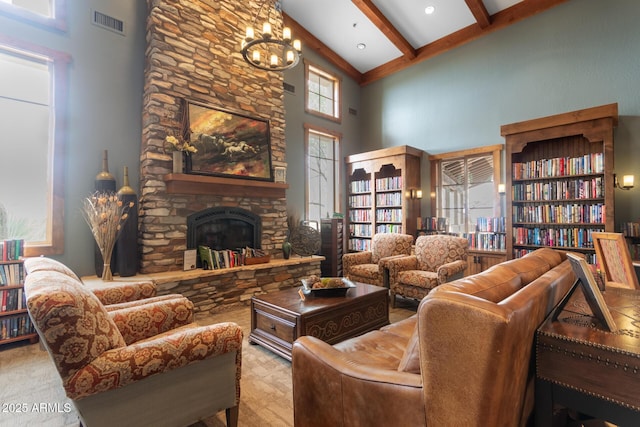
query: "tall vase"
178, 162
286, 250
126, 250
104, 182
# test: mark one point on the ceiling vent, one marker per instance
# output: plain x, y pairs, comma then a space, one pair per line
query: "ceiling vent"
107, 22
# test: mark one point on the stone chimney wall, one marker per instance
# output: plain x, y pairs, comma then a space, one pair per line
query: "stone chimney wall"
193, 52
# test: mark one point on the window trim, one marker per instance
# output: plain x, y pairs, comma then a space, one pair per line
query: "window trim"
59, 62
337, 172
58, 21
436, 161
337, 92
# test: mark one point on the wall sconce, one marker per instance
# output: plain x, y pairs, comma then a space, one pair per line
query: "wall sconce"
501, 188
413, 194
627, 182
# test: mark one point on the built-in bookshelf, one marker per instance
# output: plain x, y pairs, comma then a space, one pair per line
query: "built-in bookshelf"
15, 323
489, 235
560, 181
487, 244
379, 198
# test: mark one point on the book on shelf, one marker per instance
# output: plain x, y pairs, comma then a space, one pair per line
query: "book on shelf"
213, 259
11, 274
15, 326
432, 223
12, 249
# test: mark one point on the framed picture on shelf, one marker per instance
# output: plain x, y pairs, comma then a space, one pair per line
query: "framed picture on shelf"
229, 144
280, 174
591, 291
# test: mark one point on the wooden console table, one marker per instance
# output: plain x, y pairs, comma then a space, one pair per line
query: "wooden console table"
279, 318
581, 366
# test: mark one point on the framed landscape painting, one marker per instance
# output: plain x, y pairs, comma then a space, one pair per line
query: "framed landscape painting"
229, 144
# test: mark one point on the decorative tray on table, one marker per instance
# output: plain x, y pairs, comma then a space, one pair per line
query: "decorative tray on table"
326, 286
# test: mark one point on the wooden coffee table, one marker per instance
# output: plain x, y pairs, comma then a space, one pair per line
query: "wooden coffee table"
279, 318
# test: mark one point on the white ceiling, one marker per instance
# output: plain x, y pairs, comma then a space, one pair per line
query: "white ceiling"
341, 25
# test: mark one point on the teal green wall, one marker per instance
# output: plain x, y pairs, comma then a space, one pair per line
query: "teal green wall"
573, 56
577, 55
104, 104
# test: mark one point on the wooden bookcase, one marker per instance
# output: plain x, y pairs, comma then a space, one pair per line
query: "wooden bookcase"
332, 248
15, 324
559, 182
487, 244
379, 190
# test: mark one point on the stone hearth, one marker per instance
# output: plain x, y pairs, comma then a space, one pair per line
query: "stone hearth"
217, 290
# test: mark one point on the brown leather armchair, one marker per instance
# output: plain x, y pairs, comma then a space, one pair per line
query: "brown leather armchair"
438, 259
146, 364
370, 266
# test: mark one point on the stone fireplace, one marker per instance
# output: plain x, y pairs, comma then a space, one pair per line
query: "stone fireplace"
224, 228
192, 53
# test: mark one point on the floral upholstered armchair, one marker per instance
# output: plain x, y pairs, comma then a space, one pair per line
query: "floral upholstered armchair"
438, 259
370, 266
145, 364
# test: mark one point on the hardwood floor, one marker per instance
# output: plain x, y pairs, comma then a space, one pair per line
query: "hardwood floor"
31, 391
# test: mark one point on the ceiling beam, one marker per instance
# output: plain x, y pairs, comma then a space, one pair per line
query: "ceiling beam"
500, 20
309, 41
479, 12
379, 20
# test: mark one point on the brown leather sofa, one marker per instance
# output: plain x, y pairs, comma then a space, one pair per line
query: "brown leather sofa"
464, 359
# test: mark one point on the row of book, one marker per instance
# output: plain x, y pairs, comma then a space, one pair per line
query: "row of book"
363, 230
386, 215
11, 274
565, 237
389, 199
360, 215
491, 224
559, 190
432, 223
592, 163
11, 249
12, 299
565, 214
15, 326
363, 186
390, 183
389, 228
487, 241
213, 259
360, 201
359, 244
631, 229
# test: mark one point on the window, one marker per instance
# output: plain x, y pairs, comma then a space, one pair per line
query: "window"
31, 202
49, 13
466, 187
323, 173
322, 93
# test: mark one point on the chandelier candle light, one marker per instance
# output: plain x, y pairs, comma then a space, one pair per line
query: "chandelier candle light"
268, 52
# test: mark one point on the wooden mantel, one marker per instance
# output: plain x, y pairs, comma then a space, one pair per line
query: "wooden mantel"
181, 183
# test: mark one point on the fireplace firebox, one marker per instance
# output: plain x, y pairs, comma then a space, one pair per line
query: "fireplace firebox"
224, 228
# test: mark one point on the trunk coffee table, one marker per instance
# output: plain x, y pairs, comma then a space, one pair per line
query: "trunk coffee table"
279, 318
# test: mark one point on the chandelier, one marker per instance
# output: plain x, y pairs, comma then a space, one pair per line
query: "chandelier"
269, 52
